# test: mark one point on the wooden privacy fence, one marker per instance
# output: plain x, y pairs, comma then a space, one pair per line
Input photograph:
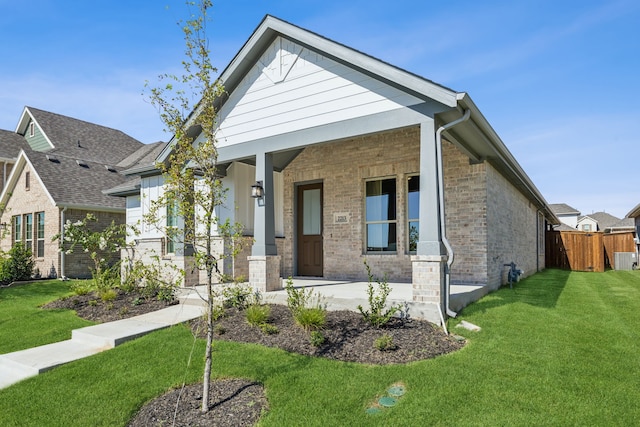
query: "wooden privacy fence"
585, 251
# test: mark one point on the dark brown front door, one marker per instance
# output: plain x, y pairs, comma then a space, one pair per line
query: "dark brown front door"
310, 230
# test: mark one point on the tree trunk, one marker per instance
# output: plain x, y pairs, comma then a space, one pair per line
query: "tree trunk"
207, 358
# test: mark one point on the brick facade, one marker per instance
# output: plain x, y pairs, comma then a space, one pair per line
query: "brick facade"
489, 222
35, 199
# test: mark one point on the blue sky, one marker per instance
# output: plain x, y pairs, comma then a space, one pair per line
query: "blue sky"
558, 80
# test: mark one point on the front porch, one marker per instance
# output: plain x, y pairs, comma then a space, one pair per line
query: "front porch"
347, 295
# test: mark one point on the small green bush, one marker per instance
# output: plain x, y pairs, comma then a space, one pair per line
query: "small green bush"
82, 287
310, 318
237, 295
316, 338
18, 265
385, 343
165, 293
269, 329
378, 315
257, 314
108, 295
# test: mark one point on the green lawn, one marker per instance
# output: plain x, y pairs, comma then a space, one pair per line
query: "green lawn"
23, 324
559, 349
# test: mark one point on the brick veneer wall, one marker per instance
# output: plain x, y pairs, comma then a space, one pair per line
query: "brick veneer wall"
513, 225
343, 168
23, 201
79, 264
36, 199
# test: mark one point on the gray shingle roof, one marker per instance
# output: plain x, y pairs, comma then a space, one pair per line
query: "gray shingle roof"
563, 209
10, 144
603, 219
83, 140
72, 184
144, 155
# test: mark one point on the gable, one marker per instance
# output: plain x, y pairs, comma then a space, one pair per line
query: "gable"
291, 87
38, 141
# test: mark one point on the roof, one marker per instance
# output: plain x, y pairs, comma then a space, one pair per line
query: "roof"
635, 212
145, 155
475, 137
10, 144
80, 139
604, 220
563, 209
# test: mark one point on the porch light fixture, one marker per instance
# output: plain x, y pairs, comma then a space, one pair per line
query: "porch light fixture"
3, 226
257, 190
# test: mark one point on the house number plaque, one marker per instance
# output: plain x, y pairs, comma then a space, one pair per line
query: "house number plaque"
341, 218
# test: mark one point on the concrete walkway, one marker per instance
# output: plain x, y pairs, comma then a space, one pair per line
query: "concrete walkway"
84, 342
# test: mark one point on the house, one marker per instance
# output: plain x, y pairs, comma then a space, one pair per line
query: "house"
605, 222
566, 214
359, 159
60, 168
634, 214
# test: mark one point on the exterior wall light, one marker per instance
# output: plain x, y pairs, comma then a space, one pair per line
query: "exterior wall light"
257, 190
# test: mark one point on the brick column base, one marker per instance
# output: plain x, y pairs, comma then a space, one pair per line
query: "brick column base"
264, 273
428, 278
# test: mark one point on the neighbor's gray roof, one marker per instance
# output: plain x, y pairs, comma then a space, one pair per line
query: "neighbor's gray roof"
83, 140
603, 219
73, 184
10, 144
563, 209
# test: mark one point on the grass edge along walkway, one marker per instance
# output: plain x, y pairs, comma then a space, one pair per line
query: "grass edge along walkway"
559, 349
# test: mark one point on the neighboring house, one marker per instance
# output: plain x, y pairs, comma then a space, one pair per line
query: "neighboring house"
62, 166
359, 160
586, 223
567, 215
605, 222
634, 215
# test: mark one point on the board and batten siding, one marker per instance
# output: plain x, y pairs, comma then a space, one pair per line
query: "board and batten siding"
293, 88
37, 142
134, 215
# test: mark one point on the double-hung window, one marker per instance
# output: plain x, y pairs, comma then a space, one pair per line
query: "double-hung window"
380, 217
413, 211
17, 229
28, 232
172, 223
40, 235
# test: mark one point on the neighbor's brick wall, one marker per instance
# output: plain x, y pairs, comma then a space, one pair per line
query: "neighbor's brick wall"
79, 264
511, 229
23, 201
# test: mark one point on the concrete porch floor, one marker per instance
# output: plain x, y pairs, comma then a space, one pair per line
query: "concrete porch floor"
347, 295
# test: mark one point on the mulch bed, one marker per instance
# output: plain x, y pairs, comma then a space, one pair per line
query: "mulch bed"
239, 402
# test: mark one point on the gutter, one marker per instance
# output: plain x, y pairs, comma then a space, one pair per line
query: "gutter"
62, 253
443, 233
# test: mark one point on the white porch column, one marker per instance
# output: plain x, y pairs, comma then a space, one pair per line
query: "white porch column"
429, 263
264, 262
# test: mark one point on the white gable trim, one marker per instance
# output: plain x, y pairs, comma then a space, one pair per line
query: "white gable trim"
14, 176
24, 122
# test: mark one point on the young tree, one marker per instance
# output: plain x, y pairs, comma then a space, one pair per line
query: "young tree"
193, 189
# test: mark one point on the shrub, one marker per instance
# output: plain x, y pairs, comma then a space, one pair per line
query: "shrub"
17, 266
237, 295
269, 329
316, 338
305, 311
82, 287
378, 315
385, 343
165, 293
107, 295
257, 314
310, 318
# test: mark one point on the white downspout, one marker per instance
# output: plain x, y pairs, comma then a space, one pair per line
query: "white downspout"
62, 276
443, 233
